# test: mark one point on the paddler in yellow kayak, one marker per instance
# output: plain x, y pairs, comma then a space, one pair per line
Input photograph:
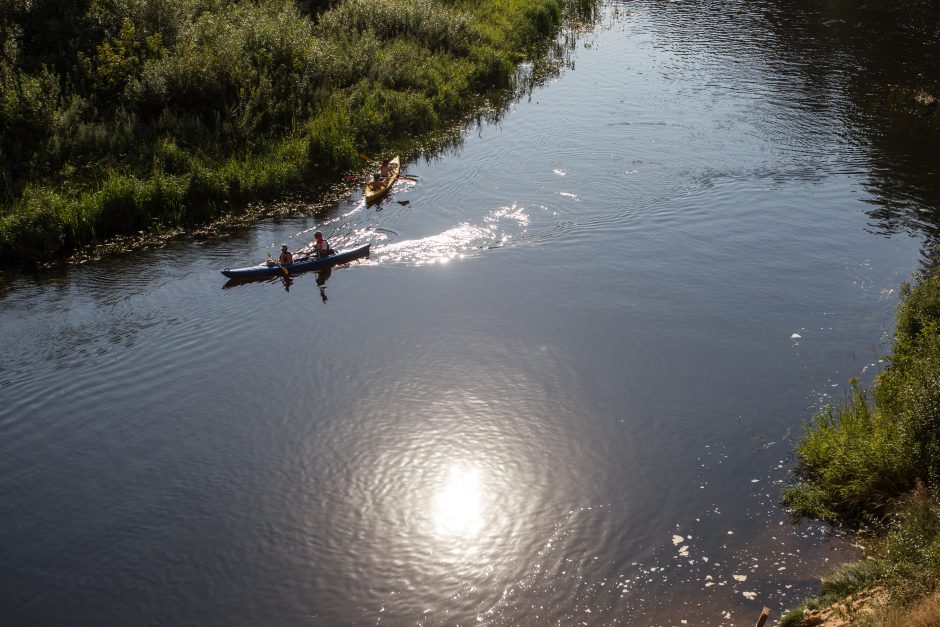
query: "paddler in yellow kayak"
379, 178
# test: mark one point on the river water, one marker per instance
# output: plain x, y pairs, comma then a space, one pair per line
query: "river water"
564, 388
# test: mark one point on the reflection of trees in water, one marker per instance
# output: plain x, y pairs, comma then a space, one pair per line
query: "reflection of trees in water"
871, 64
888, 52
904, 177
546, 62
895, 48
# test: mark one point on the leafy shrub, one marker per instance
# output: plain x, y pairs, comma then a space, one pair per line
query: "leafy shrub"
34, 229
332, 138
853, 464
432, 25
169, 158
252, 55
28, 113
910, 552
494, 69
384, 113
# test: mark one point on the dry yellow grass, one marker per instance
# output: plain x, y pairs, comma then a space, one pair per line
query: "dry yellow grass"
868, 609
857, 609
925, 613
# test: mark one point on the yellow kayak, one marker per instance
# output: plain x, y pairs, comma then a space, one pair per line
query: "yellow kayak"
375, 189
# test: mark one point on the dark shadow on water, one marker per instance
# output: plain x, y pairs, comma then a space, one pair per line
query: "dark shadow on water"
871, 65
322, 278
287, 282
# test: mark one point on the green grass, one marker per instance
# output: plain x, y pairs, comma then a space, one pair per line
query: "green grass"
909, 555
854, 462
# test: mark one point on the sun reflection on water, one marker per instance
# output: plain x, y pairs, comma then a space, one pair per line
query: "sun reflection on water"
458, 505
498, 227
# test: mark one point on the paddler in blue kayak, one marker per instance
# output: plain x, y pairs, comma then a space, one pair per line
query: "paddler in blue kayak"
321, 247
285, 259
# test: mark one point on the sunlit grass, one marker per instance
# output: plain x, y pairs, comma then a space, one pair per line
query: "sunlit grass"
854, 462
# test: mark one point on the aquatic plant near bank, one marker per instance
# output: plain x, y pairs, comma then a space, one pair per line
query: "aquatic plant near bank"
141, 115
853, 462
873, 464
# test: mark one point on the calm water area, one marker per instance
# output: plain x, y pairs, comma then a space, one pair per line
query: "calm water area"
564, 388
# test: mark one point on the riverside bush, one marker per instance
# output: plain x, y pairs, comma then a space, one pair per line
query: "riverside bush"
850, 579
853, 463
332, 138
909, 556
432, 25
857, 460
919, 409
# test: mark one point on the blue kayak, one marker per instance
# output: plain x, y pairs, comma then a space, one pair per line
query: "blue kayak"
305, 264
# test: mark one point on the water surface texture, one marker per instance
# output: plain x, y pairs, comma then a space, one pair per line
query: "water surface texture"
564, 388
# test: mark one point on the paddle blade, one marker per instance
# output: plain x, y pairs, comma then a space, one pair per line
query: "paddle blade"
365, 157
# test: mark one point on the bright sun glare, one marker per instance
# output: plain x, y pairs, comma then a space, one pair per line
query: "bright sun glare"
458, 504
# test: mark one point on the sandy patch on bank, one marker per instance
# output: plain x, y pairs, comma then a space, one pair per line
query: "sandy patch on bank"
849, 611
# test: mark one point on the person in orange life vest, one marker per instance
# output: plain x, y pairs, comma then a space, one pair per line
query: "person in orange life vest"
321, 247
286, 257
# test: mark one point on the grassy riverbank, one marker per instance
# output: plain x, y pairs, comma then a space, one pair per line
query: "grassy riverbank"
141, 115
873, 465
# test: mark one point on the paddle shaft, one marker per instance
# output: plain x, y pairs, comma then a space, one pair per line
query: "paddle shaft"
278, 264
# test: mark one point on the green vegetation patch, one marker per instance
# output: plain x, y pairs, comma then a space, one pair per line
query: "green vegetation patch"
117, 117
856, 460
873, 464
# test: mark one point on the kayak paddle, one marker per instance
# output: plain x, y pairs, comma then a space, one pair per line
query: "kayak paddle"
278, 264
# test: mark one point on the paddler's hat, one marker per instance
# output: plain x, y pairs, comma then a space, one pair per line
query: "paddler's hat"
318, 235
284, 247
